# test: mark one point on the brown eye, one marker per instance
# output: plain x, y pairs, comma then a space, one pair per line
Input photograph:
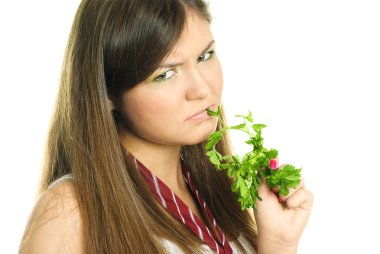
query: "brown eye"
206, 56
166, 75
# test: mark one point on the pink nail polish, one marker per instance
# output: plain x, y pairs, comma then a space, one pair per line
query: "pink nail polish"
273, 164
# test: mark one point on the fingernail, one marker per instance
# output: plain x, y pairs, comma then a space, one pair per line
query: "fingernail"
273, 164
275, 191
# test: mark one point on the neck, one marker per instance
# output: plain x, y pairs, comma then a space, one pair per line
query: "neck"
162, 160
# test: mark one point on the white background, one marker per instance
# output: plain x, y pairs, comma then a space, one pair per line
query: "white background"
310, 70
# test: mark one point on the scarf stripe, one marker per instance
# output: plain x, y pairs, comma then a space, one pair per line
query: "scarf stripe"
208, 211
216, 244
200, 234
175, 206
158, 191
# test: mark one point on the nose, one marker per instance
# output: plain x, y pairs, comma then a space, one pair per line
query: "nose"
198, 87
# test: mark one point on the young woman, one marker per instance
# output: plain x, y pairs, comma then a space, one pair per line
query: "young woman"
125, 169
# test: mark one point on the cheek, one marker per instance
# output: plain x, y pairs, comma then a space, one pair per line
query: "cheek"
143, 107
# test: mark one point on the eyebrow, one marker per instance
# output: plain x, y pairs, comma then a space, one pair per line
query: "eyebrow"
172, 65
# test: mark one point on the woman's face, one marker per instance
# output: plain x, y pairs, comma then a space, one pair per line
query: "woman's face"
169, 107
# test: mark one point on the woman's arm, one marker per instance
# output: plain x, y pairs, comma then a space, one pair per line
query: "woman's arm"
55, 224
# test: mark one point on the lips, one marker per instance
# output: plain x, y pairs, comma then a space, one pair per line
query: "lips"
201, 113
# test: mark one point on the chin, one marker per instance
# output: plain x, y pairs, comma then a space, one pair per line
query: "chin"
201, 134
196, 141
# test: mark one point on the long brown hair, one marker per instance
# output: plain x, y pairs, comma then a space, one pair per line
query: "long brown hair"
114, 45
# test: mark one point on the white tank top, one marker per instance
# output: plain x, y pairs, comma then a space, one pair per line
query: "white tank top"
172, 247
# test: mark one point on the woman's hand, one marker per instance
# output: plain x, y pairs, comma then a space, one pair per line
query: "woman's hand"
281, 219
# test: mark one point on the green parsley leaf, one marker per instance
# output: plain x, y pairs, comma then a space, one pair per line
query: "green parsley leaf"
248, 169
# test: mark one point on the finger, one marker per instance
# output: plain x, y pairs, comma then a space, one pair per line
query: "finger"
273, 163
274, 167
263, 187
301, 185
264, 191
302, 198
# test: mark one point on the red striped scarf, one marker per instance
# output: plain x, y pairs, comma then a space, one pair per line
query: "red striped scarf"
177, 208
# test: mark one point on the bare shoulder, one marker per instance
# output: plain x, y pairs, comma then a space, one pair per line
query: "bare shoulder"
55, 223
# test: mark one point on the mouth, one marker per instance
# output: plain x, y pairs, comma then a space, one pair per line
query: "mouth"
201, 114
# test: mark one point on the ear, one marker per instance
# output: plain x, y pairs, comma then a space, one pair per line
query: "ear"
111, 104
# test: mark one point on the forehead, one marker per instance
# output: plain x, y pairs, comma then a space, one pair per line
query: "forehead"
195, 36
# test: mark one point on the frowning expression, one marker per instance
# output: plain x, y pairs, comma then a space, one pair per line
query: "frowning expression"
170, 106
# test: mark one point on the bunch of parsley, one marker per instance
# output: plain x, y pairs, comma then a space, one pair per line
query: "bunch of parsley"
246, 170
